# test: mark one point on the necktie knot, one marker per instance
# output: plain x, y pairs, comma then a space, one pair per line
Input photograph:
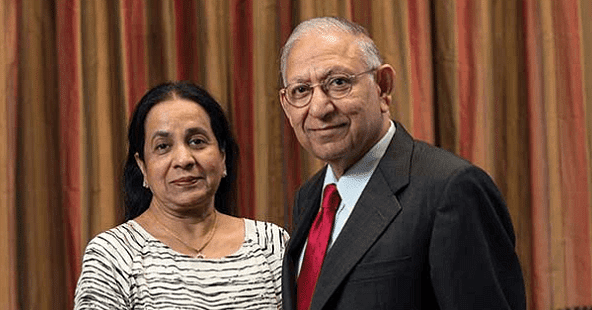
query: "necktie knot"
331, 198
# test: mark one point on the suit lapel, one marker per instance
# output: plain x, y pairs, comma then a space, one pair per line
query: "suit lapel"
375, 210
308, 203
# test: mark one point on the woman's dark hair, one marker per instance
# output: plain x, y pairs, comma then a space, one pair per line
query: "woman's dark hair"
137, 198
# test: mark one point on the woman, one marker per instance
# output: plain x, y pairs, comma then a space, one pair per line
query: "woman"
176, 250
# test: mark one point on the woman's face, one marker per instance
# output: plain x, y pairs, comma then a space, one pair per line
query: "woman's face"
183, 164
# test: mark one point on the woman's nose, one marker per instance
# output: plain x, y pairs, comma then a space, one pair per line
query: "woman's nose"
183, 157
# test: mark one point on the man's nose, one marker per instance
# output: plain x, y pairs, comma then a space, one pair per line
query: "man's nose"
320, 103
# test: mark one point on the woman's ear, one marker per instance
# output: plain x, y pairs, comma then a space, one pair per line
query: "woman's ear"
224, 172
141, 164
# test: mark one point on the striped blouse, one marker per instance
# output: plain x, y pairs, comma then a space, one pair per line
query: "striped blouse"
126, 268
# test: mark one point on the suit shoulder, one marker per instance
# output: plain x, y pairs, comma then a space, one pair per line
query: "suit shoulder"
312, 181
429, 159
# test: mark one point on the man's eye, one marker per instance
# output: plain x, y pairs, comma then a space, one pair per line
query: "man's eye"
300, 90
340, 81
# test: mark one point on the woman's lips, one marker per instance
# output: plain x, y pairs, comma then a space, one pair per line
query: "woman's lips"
185, 180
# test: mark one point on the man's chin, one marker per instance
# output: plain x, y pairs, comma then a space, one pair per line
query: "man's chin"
329, 153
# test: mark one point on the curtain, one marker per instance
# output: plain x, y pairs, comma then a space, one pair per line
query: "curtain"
505, 84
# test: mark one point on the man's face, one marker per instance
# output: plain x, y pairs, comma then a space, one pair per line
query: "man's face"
338, 131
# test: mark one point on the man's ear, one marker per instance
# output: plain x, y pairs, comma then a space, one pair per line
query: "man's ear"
385, 79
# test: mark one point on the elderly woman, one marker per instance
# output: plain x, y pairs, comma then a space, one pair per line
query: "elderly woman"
176, 249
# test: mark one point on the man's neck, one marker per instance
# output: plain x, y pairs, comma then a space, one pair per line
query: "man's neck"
341, 165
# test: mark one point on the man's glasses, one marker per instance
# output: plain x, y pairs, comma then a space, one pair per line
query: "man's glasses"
336, 86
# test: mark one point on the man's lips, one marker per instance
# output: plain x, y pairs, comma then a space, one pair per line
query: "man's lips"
327, 127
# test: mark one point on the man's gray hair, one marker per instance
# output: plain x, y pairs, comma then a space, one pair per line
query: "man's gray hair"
323, 25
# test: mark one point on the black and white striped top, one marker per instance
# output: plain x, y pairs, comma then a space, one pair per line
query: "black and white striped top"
126, 268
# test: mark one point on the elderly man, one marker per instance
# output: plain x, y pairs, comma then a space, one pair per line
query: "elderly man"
390, 222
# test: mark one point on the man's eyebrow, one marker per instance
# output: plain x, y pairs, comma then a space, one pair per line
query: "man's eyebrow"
336, 69
324, 75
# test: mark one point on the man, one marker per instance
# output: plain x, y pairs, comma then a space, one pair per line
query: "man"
406, 225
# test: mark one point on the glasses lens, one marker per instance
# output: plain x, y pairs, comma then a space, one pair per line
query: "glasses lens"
338, 86
298, 94
335, 86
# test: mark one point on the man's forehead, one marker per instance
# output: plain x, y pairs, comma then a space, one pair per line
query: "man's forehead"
329, 38
322, 55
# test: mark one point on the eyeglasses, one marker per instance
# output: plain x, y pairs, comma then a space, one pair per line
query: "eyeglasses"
336, 86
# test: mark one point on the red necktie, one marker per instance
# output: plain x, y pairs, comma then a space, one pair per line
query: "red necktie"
318, 239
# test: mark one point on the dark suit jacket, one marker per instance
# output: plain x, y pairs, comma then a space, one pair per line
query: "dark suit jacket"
430, 231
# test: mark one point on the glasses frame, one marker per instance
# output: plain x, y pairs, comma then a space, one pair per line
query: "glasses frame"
352, 77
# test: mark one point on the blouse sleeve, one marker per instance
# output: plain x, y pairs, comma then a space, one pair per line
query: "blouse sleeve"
276, 239
102, 282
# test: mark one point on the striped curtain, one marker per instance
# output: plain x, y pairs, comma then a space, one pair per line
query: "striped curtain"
505, 84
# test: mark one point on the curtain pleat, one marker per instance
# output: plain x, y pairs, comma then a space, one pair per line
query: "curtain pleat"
422, 119
133, 38
40, 218
445, 58
241, 15
268, 115
292, 151
392, 37
9, 61
505, 84
214, 44
571, 144
104, 116
541, 298
70, 131
585, 18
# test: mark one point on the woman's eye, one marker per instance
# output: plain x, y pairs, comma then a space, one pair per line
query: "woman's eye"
196, 141
161, 146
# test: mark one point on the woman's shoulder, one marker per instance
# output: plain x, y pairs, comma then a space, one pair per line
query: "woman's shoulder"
266, 233
127, 238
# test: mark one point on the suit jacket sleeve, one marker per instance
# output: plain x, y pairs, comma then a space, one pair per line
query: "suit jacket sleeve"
473, 264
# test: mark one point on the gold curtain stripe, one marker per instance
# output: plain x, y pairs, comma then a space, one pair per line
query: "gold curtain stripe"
40, 228
586, 28
167, 15
8, 284
104, 117
550, 101
446, 60
215, 52
390, 33
268, 115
